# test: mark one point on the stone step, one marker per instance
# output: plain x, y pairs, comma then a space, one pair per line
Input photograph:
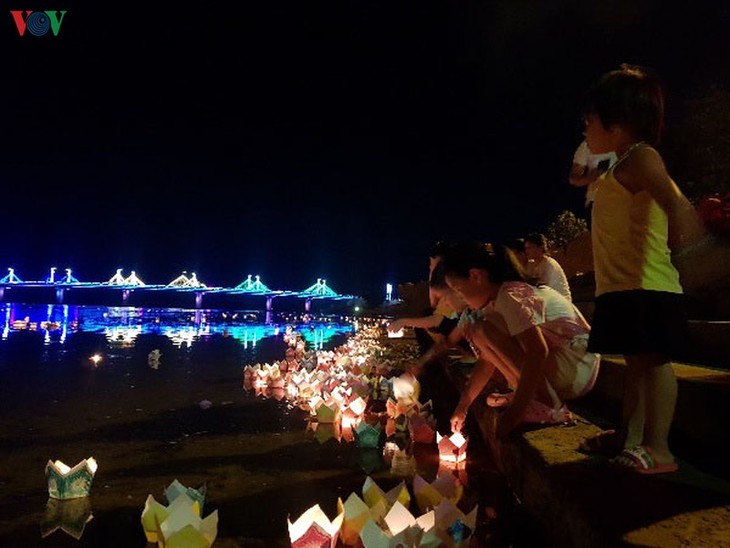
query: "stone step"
700, 430
581, 501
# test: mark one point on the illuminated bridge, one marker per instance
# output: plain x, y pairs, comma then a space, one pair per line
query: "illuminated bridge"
132, 291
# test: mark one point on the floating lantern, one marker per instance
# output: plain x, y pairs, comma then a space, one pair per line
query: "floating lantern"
70, 516
314, 529
175, 489
178, 525
95, 359
355, 513
452, 521
325, 431
68, 483
401, 528
367, 435
422, 428
407, 387
328, 412
183, 527
353, 413
430, 495
452, 448
372, 494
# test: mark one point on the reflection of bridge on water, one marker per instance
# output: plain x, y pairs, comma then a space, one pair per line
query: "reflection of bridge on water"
183, 284
121, 326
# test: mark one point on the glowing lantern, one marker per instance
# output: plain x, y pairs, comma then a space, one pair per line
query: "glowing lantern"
68, 483
367, 435
401, 528
355, 513
452, 448
314, 529
175, 489
372, 494
429, 495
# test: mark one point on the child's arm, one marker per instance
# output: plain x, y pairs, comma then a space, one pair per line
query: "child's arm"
424, 322
439, 349
533, 343
644, 170
480, 375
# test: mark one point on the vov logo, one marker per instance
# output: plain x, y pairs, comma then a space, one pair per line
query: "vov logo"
38, 23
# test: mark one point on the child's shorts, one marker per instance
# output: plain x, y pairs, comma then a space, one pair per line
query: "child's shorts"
572, 369
638, 322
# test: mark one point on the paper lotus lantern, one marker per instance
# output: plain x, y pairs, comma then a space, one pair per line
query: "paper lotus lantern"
328, 412
175, 489
422, 429
372, 494
452, 448
325, 431
355, 513
70, 516
400, 528
430, 495
68, 483
178, 525
406, 387
314, 529
456, 525
367, 435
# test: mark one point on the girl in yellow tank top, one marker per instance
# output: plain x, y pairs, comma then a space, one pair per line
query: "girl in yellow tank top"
639, 217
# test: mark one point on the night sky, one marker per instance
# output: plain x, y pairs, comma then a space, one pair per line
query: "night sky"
304, 140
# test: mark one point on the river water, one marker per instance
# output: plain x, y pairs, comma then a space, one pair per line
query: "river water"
80, 382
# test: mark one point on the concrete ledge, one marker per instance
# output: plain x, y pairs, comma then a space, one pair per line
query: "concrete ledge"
582, 502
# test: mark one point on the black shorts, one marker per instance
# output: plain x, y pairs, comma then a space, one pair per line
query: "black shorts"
638, 322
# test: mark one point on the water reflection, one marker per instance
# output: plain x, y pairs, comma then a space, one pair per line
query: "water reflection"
122, 326
70, 516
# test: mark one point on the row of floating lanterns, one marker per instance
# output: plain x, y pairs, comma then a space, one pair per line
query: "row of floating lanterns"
338, 393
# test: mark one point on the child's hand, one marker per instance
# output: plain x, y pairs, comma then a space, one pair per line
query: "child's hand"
458, 418
395, 326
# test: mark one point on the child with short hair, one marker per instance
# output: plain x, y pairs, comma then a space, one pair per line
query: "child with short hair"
639, 217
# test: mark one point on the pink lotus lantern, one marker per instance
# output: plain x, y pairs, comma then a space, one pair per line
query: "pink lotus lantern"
452, 449
313, 529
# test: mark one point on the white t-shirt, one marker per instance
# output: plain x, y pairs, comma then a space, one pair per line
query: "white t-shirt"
584, 157
523, 306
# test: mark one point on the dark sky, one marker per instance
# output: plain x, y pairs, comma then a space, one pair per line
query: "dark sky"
298, 140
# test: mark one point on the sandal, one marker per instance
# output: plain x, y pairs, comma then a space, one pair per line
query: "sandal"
495, 399
539, 413
607, 444
641, 460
